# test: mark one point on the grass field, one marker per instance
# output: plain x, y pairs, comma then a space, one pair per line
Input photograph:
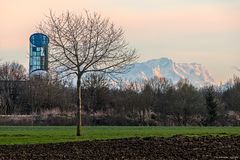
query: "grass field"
52, 134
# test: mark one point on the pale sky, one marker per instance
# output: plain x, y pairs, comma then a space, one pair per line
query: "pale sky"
201, 31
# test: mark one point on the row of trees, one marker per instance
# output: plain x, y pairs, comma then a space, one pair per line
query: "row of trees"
159, 102
152, 102
19, 95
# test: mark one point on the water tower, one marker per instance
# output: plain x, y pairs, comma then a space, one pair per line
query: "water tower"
38, 62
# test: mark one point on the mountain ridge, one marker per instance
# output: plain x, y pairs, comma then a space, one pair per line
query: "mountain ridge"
196, 73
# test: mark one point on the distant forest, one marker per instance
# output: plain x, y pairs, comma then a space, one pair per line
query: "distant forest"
52, 101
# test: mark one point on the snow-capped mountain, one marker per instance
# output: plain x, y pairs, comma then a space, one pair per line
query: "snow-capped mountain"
164, 67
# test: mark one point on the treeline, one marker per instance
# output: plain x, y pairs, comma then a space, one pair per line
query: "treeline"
106, 102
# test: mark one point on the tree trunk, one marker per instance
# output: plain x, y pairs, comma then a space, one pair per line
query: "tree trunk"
79, 106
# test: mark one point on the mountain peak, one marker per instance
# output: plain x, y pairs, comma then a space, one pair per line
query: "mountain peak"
160, 61
165, 59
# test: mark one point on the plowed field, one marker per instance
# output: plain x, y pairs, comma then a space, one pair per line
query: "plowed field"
132, 148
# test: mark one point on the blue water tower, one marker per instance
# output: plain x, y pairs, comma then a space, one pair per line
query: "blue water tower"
38, 62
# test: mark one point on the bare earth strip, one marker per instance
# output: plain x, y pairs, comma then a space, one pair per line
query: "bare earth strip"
132, 148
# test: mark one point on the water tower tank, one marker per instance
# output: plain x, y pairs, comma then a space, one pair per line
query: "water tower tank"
38, 62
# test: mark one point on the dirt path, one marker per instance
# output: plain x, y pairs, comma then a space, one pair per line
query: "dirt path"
132, 148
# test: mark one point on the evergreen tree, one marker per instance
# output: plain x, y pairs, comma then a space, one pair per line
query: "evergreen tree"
211, 104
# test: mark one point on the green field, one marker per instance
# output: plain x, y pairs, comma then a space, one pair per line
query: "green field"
52, 134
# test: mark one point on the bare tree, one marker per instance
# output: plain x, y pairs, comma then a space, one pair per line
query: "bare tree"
12, 72
12, 75
96, 88
86, 43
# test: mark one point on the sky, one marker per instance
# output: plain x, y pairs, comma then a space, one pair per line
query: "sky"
187, 31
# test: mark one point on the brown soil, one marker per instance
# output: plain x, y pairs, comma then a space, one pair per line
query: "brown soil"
132, 148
